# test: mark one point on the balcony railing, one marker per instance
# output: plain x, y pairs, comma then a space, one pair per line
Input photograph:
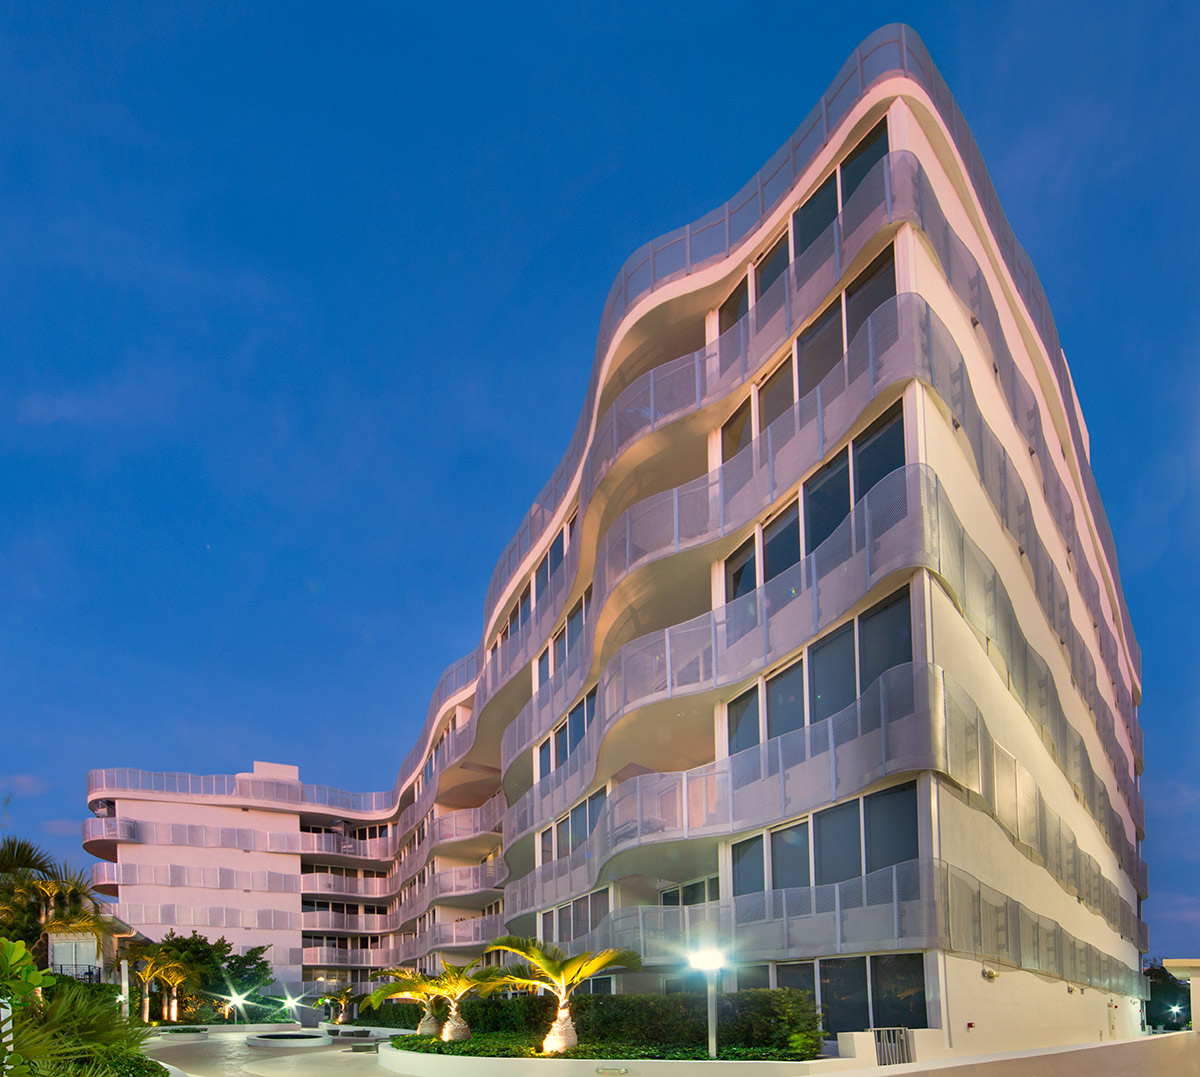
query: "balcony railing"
913, 718
916, 905
118, 830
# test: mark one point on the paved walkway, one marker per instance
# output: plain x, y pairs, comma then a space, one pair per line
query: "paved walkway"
225, 1054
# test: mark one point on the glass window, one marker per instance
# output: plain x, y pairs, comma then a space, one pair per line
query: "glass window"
878, 452
743, 721
595, 805
544, 763
826, 501
771, 266
836, 850
579, 823
789, 857
785, 701
884, 638
776, 396
734, 308
599, 899
876, 285
819, 348
898, 991
574, 625
601, 985
547, 839
781, 543
670, 897
863, 158
817, 214
544, 667
581, 917
890, 820
737, 433
541, 578
714, 888
798, 975
589, 708
740, 572
750, 977
561, 749
548, 926
693, 893
748, 877
831, 674
554, 556
575, 726
564, 923
523, 606
844, 995
562, 835
560, 649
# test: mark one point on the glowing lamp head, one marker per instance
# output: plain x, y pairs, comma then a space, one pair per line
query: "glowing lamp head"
1175, 1009
237, 1000
706, 960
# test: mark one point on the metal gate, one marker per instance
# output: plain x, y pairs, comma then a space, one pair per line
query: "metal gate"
891, 1046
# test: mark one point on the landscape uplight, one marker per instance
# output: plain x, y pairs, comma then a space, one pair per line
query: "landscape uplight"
710, 961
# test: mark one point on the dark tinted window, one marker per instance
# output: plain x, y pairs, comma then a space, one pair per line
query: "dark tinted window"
864, 156
781, 543
544, 763
820, 348
878, 452
798, 975
844, 995
575, 726
776, 395
743, 722
579, 827
739, 571
826, 501
693, 893
890, 819
748, 867
789, 857
817, 214
750, 977
574, 625
561, 749
737, 432
831, 674
547, 845
785, 701
836, 849
876, 285
734, 308
596, 804
898, 991
771, 267
884, 638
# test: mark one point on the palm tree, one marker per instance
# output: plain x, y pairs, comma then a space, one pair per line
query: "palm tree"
341, 999
411, 986
39, 897
458, 981
146, 962
176, 973
548, 968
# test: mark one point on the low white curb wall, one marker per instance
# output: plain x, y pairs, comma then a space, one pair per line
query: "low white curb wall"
416, 1064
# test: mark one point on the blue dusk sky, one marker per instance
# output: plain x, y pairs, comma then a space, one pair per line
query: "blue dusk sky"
299, 305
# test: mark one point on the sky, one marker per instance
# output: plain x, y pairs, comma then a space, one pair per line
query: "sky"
300, 304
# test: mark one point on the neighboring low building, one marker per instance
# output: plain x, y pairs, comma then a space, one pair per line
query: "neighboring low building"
813, 645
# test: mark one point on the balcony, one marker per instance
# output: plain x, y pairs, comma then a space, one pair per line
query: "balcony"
102, 836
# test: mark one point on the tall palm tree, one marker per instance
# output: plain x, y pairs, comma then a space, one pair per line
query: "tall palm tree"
409, 985
546, 967
176, 973
19, 854
146, 962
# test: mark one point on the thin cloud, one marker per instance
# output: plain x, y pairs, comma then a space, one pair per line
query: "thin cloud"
138, 398
61, 827
24, 785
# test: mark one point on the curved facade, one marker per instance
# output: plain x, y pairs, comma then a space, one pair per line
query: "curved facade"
813, 645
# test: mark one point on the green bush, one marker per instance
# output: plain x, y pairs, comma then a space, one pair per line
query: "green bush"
529, 1045
519, 1013
114, 1062
390, 1015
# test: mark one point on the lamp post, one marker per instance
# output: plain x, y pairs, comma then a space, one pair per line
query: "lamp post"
710, 962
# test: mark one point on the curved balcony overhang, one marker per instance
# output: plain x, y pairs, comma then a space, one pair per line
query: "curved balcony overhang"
102, 836
914, 718
917, 905
623, 688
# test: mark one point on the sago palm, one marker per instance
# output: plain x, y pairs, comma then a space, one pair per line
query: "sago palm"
546, 967
409, 985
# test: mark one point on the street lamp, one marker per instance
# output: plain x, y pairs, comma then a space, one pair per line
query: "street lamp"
711, 962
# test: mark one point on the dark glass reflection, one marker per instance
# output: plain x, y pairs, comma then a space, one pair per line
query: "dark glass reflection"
831, 674
789, 857
863, 158
898, 991
826, 501
785, 701
844, 995
890, 819
836, 852
817, 214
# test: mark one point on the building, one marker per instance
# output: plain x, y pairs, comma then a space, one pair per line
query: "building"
814, 644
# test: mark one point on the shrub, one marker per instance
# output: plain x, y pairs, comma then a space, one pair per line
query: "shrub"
519, 1013
390, 1015
113, 1062
529, 1045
